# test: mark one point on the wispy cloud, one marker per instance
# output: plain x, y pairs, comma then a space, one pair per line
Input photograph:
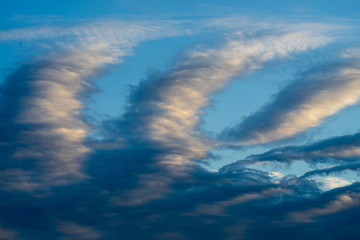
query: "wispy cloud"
335, 169
342, 149
89, 32
319, 93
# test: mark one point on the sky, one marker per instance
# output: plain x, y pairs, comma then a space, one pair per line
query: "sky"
189, 120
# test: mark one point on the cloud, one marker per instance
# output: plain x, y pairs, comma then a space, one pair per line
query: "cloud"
163, 113
218, 209
42, 117
171, 235
43, 130
125, 33
334, 182
341, 149
165, 108
343, 201
334, 169
143, 181
317, 94
341, 152
6, 234
75, 231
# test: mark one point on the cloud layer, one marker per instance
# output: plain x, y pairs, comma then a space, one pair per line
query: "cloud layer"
141, 176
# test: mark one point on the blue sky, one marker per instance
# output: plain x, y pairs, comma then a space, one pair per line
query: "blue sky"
183, 120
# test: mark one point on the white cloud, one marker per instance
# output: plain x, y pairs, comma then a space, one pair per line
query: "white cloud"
304, 104
117, 32
351, 52
171, 108
333, 182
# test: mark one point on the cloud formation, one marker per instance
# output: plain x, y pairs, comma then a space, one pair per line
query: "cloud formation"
43, 131
142, 179
317, 94
165, 108
75, 231
41, 104
163, 112
342, 202
341, 150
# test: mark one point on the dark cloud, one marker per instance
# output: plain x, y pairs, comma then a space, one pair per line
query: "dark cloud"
341, 149
215, 207
336, 169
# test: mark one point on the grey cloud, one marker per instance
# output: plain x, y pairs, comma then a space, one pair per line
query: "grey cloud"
74, 231
341, 149
7, 234
342, 152
86, 213
342, 202
336, 169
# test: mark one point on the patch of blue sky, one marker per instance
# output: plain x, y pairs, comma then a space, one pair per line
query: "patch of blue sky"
298, 168
8, 58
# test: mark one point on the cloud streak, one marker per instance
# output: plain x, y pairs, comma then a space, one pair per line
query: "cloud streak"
317, 94
341, 149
